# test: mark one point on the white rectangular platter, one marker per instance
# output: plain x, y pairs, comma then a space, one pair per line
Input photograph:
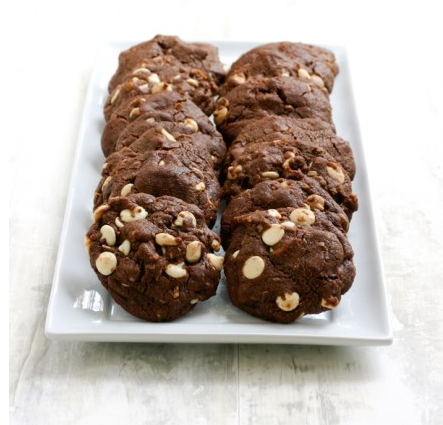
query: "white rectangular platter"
81, 309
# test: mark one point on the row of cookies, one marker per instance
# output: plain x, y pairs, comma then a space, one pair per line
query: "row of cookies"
151, 245
288, 184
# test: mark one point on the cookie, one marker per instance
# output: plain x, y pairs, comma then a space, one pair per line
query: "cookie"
271, 195
287, 59
178, 171
261, 97
161, 106
150, 135
164, 73
201, 56
313, 131
280, 268
155, 256
289, 159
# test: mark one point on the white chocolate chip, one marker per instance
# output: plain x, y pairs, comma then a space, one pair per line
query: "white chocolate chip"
344, 221
330, 303
216, 261
135, 112
274, 213
144, 88
271, 175
316, 202
302, 216
302, 73
161, 87
161, 163
126, 190
234, 255
150, 120
108, 234
199, 187
234, 172
273, 235
106, 182
176, 292
253, 267
178, 77
194, 301
182, 216
285, 73
100, 211
138, 213
118, 223
190, 123
138, 70
318, 81
220, 115
169, 136
153, 79
288, 302
288, 224
114, 96
106, 263
165, 239
87, 242
215, 245
125, 247
290, 156
192, 82
176, 270
237, 79
194, 251
335, 172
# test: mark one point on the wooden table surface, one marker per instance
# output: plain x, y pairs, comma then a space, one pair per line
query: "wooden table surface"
396, 57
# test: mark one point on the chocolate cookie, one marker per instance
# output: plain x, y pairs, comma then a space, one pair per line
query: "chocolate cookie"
161, 106
261, 97
154, 255
281, 267
289, 159
164, 73
146, 135
271, 195
192, 55
287, 59
312, 131
178, 171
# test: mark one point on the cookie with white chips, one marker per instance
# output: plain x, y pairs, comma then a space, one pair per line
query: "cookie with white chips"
313, 63
164, 73
289, 159
145, 135
162, 106
178, 171
155, 256
287, 263
273, 194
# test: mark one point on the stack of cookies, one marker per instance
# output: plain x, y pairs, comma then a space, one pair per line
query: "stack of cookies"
150, 244
288, 184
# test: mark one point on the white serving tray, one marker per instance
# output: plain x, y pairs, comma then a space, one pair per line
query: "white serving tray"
81, 309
